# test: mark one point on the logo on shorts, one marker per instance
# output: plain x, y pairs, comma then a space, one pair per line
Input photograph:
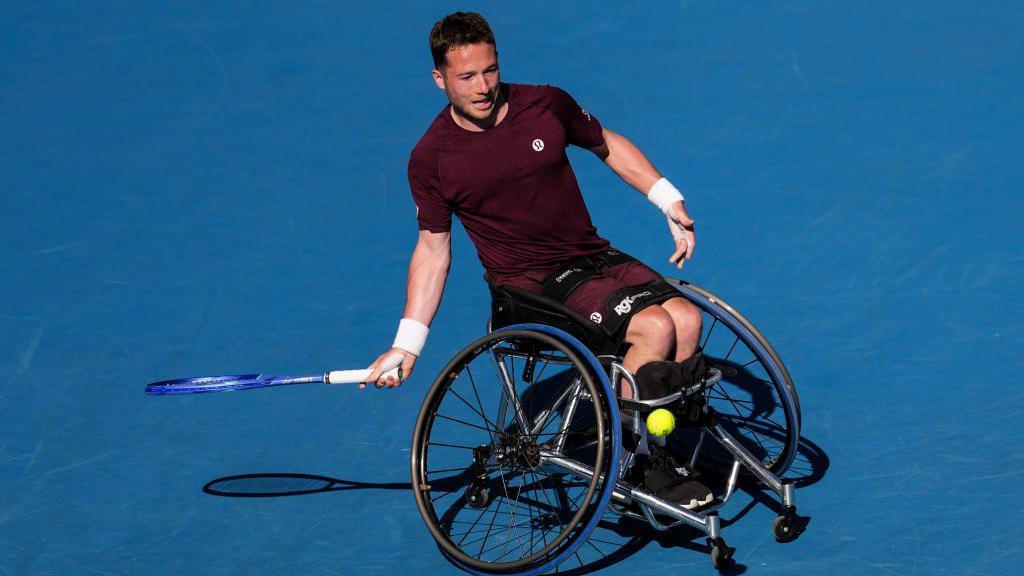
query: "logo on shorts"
563, 275
596, 318
627, 303
538, 144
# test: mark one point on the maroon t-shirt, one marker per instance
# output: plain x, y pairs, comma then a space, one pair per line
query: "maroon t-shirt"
511, 186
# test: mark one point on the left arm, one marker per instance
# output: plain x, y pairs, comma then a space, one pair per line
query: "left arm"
630, 164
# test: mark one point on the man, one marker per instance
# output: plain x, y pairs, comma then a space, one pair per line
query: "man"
495, 157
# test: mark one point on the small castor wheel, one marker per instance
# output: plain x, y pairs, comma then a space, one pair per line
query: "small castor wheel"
784, 527
721, 554
477, 497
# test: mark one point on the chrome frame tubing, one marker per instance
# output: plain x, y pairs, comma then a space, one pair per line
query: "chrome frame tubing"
534, 427
626, 492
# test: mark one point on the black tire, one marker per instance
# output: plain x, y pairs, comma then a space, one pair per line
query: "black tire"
535, 516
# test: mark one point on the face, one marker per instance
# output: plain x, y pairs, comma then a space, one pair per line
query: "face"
470, 79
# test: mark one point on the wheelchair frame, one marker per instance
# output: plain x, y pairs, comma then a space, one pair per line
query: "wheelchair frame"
622, 494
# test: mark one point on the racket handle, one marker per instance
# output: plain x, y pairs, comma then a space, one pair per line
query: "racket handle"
391, 365
354, 376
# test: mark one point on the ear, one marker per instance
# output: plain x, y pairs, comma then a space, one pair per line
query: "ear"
438, 78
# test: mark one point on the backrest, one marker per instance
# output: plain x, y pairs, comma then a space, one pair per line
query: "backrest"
511, 305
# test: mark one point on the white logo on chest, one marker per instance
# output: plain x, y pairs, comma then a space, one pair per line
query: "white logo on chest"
596, 317
538, 144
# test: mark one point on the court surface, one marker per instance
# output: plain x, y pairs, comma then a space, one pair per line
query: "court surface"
194, 188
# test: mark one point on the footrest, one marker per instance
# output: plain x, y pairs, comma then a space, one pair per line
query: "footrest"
713, 376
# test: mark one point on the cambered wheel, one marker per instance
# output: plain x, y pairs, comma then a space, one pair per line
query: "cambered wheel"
501, 477
756, 400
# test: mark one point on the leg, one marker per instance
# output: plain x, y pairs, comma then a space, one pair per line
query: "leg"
688, 324
651, 335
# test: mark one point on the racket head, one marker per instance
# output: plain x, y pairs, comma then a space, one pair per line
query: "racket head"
208, 384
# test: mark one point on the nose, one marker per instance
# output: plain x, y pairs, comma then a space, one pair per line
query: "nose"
481, 85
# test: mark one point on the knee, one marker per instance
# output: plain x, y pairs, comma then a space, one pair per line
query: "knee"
653, 324
685, 315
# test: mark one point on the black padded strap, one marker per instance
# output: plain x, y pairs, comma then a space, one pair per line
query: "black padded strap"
545, 302
561, 283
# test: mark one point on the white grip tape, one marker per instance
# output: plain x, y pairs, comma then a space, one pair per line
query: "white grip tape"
391, 367
354, 376
412, 336
663, 195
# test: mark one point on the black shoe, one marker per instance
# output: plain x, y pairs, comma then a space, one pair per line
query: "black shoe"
666, 479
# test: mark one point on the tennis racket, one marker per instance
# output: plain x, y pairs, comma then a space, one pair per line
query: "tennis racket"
249, 381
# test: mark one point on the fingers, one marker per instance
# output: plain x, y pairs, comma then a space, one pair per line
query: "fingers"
677, 256
376, 369
684, 240
389, 369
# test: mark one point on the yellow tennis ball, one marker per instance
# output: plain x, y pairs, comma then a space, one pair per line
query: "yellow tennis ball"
661, 422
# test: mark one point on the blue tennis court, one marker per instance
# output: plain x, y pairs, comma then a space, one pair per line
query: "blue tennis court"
196, 188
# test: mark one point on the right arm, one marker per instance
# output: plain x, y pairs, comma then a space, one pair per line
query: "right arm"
428, 272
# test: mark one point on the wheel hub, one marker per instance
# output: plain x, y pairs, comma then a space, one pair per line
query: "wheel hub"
517, 451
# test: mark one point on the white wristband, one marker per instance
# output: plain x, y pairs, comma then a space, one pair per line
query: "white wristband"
412, 336
663, 195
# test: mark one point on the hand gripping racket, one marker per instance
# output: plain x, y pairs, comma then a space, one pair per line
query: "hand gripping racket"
249, 381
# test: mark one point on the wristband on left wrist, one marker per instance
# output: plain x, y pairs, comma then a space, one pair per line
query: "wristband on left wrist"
663, 195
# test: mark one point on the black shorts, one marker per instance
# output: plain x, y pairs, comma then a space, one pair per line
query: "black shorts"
607, 288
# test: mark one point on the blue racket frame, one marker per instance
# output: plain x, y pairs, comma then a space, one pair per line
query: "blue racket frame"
226, 383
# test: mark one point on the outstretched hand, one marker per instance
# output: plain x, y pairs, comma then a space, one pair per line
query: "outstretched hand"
681, 226
385, 362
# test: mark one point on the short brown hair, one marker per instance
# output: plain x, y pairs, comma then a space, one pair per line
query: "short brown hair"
458, 29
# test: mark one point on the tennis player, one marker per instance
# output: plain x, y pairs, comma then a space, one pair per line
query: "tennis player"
495, 157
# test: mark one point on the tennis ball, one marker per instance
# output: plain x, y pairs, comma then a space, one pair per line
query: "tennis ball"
661, 422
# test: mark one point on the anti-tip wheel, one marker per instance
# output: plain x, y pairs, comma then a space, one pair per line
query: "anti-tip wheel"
784, 528
721, 554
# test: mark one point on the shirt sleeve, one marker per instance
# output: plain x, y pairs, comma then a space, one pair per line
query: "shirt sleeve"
432, 211
581, 127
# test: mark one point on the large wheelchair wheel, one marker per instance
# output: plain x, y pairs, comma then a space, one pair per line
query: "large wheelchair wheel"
515, 451
756, 400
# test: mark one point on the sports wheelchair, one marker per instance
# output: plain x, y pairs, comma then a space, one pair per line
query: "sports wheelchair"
518, 448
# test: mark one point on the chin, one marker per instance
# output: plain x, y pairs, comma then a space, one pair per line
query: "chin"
474, 113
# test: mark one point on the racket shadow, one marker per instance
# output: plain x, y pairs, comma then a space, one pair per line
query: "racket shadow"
280, 484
